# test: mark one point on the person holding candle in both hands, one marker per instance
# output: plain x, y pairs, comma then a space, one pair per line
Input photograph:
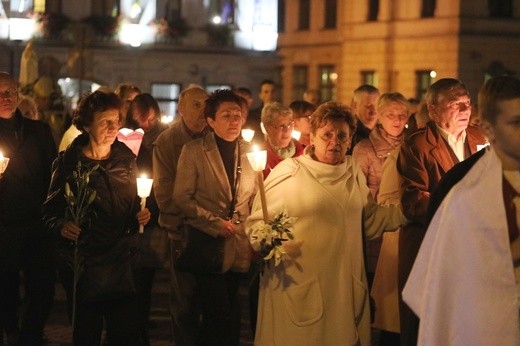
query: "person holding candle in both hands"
318, 294
24, 244
214, 189
105, 290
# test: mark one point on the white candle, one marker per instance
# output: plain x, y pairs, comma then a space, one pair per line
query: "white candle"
296, 134
3, 163
144, 187
258, 160
248, 134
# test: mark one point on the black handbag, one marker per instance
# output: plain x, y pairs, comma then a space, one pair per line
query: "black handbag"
107, 275
203, 253
108, 281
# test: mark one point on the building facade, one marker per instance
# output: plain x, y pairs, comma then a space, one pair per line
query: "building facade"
336, 45
162, 46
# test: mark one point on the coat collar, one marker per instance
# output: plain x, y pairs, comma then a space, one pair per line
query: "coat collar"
382, 142
440, 150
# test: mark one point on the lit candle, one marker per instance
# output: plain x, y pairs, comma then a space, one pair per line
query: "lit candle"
296, 134
144, 187
3, 163
258, 160
248, 134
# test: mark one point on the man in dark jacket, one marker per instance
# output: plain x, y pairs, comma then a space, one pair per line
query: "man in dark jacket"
24, 243
364, 107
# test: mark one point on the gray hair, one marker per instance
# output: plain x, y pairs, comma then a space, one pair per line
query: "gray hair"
273, 110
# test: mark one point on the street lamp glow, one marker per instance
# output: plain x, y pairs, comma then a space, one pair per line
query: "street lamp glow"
217, 20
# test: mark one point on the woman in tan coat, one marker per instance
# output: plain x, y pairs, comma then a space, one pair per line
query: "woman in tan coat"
371, 153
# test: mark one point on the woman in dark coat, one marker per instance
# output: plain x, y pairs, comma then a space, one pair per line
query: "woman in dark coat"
105, 290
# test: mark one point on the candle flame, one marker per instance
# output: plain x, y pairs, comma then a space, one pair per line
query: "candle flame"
255, 148
143, 176
1, 155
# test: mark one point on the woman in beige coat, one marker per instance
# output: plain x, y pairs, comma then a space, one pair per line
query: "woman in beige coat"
371, 154
214, 189
318, 294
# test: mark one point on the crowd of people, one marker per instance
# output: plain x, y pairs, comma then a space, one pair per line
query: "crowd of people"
390, 242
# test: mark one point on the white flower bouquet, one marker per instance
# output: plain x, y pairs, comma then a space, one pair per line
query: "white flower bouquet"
268, 238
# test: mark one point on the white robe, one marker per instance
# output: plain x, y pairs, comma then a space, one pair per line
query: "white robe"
462, 285
321, 297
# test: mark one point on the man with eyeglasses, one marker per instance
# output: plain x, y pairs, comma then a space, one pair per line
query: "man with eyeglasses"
424, 158
25, 244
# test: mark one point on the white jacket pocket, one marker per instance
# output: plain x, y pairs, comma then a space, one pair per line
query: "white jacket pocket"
304, 303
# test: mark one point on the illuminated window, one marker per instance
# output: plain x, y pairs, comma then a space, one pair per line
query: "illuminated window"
369, 77
423, 82
299, 81
19, 8
304, 15
222, 11
331, 7
328, 78
39, 6
167, 95
213, 87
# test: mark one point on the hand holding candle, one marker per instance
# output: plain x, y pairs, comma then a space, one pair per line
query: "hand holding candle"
144, 187
258, 160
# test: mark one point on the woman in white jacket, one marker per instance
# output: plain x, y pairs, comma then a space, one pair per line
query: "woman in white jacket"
318, 294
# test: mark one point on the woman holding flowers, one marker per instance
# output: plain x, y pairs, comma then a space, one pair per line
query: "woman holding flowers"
93, 207
315, 293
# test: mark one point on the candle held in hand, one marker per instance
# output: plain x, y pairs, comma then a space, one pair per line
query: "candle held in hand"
144, 187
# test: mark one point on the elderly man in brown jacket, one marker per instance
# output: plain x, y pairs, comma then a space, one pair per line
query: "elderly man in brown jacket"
424, 158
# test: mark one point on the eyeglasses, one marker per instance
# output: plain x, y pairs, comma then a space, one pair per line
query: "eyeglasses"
283, 127
8, 93
340, 136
